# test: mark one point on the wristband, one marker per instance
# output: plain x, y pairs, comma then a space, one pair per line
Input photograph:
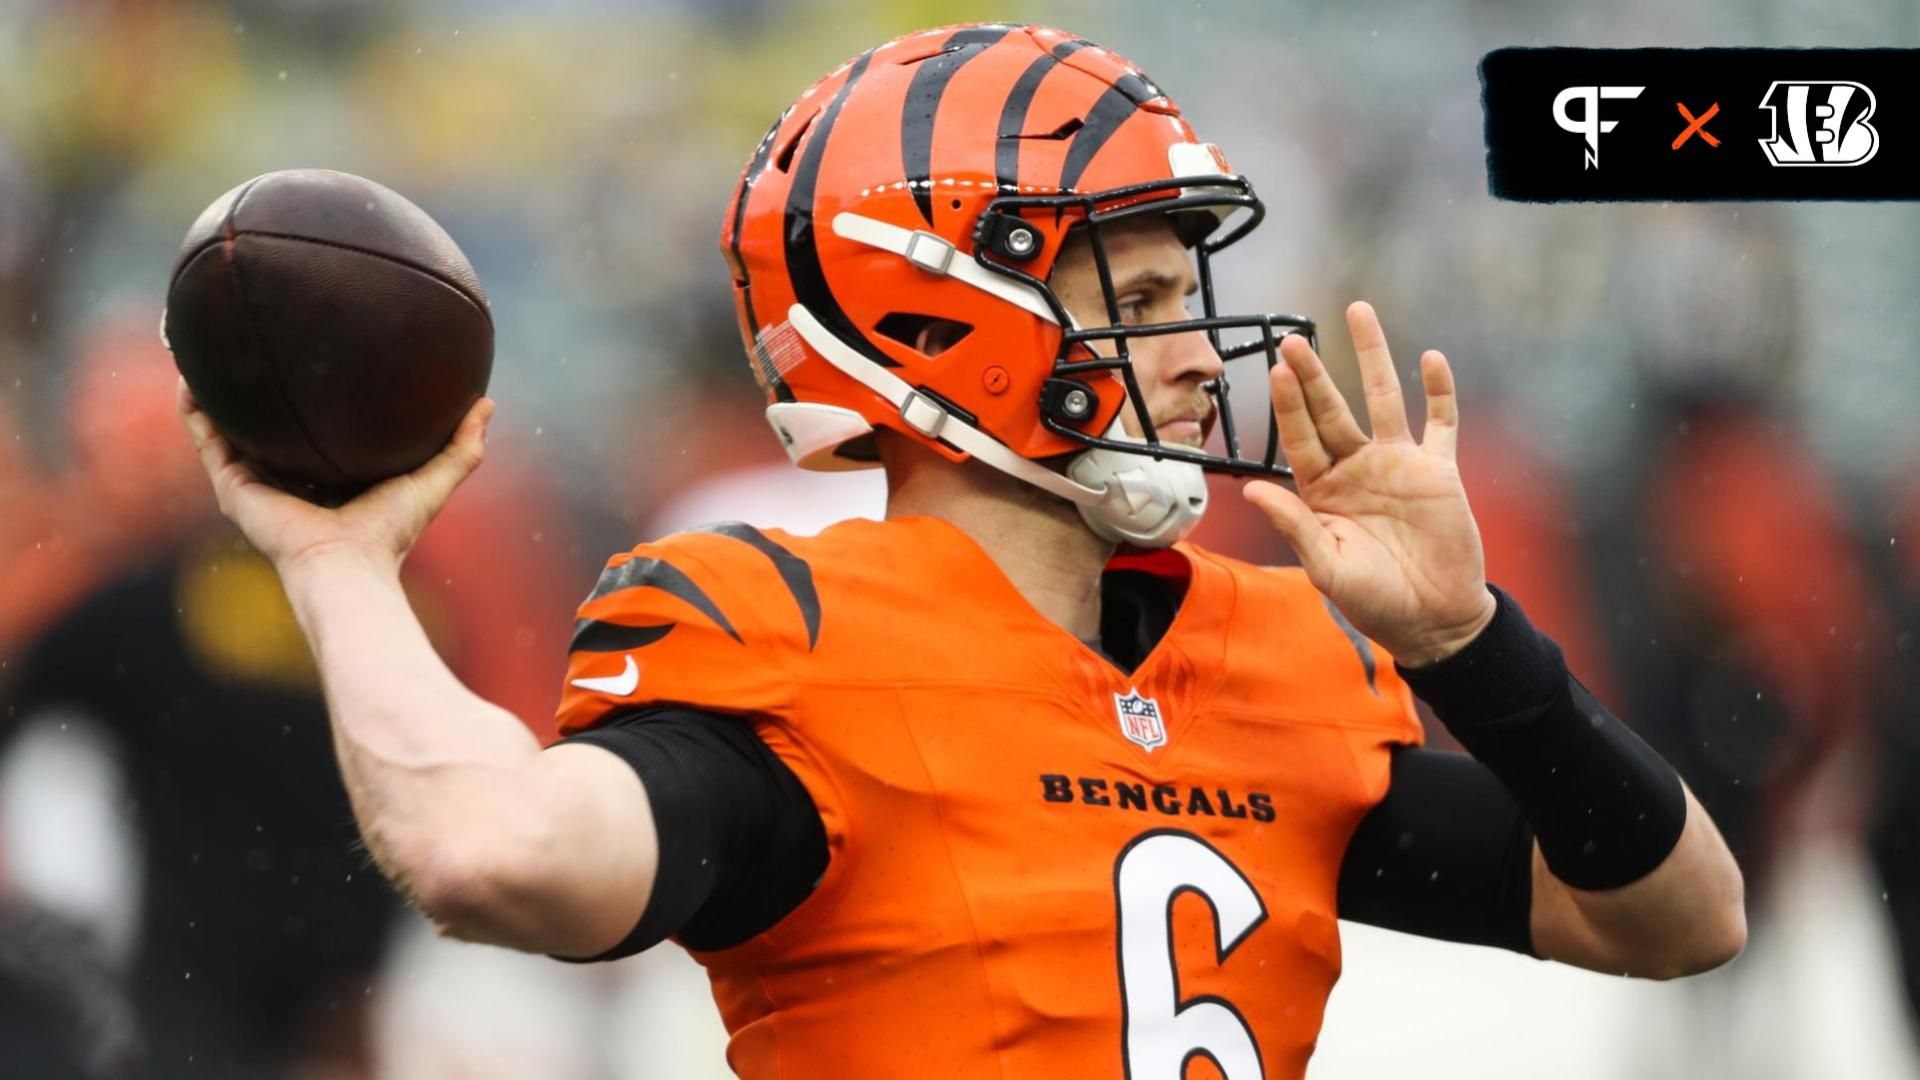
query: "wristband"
1604, 806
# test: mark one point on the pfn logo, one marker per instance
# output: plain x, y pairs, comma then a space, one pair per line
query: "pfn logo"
1589, 123
1826, 124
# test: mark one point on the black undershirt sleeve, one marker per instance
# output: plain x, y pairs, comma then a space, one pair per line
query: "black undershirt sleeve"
1446, 854
741, 842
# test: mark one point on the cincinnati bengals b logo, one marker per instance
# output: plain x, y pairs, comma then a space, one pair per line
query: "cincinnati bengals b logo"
1825, 124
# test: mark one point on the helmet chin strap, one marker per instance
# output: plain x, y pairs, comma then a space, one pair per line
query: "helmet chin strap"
1124, 498
1149, 502
926, 416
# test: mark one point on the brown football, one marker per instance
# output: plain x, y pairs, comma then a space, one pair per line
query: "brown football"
332, 331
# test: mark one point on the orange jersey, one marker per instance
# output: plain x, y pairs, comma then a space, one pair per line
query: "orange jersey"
1040, 865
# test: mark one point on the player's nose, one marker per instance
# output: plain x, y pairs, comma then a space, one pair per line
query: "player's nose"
1191, 358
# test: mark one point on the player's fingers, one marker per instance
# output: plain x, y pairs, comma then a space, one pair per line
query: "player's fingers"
1299, 439
1443, 405
457, 460
1295, 521
1339, 432
1386, 410
471, 436
196, 422
217, 457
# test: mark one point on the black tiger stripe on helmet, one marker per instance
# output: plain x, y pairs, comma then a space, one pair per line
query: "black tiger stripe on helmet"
1112, 109
929, 85
809, 280
1013, 114
761, 155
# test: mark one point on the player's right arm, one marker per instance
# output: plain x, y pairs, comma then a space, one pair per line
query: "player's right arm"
494, 839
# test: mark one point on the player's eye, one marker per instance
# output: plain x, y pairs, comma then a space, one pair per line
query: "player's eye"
1131, 309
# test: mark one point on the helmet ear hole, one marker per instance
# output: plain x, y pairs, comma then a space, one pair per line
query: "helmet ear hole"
929, 335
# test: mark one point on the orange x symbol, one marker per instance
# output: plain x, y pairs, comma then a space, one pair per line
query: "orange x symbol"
1697, 125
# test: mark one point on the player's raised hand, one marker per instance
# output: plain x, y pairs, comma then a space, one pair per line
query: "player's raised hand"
1381, 524
382, 522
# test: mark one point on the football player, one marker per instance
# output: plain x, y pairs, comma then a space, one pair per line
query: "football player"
1015, 783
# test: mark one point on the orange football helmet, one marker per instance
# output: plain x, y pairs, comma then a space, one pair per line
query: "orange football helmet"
933, 180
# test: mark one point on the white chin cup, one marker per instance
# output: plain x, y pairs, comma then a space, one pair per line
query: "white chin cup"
1149, 503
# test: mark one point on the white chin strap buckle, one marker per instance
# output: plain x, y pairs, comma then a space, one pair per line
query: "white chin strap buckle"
922, 415
1149, 503
929, 252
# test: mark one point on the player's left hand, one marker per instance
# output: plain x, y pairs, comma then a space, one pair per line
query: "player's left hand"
1381, 524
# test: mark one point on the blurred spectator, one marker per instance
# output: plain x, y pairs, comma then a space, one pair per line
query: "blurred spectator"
257, 923
130, 484
62, 1011
260, 922
1531, 523
1749, 641
1896, 828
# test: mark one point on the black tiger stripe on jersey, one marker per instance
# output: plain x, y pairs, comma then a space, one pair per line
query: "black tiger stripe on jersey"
592, 635
668, 578
929, 85
794, 571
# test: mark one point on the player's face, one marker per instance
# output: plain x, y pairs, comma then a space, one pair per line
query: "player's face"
1152, 277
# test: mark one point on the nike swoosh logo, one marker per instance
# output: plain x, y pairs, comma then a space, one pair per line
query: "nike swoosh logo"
616, 685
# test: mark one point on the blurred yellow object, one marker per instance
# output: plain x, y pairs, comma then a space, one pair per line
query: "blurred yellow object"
128, 80
237, 624
235, 619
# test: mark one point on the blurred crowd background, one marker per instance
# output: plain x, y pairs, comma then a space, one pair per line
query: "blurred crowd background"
1690, 439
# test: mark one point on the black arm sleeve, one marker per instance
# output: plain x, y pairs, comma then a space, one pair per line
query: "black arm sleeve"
1447, 854
1607, 810
741, 842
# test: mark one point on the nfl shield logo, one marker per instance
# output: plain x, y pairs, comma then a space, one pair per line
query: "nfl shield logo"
1140, 719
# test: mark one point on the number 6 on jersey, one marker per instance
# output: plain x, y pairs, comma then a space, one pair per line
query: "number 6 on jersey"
1160, 1032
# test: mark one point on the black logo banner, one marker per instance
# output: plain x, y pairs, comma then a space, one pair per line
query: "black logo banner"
1602, 125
